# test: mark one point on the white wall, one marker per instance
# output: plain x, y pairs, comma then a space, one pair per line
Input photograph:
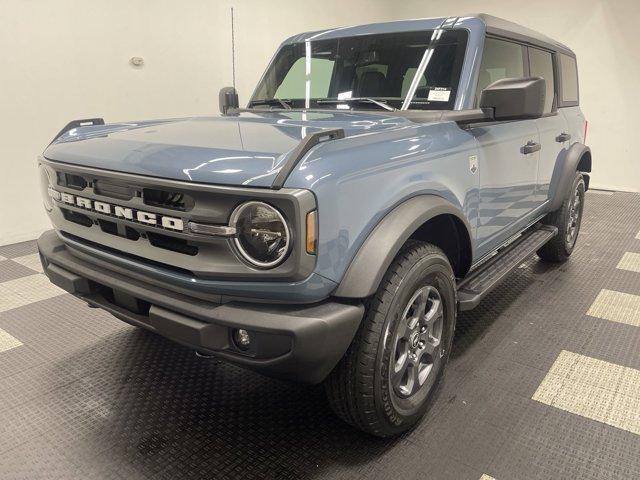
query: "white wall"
68, 59
604, 35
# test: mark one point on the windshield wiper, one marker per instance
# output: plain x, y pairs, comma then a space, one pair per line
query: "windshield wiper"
272, 102
358, 100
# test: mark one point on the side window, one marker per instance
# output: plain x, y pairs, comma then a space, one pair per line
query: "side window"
569, 75
541, 65
293, 84
500, 59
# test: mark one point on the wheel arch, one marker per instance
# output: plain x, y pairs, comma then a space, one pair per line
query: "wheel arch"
584, 166
428, 218
576, 158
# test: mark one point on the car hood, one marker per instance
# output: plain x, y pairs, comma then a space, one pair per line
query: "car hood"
245, 149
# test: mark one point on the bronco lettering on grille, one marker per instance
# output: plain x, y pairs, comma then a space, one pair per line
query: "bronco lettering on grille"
118, 211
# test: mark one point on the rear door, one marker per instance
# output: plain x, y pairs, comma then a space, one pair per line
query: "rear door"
552, 127
508, 175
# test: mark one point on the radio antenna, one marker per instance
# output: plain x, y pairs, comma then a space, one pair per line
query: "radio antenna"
233, 51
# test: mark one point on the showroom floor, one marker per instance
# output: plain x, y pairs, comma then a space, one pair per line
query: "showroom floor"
544, 382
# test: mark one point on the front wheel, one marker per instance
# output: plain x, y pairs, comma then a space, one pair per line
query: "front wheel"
567, 219
386, 380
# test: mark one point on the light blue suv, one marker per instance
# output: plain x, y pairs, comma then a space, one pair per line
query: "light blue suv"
382, 178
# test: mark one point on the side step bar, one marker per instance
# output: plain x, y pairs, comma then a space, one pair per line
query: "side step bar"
481, 281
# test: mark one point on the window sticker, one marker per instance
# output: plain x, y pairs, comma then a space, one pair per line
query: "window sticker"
439, 94
343, 95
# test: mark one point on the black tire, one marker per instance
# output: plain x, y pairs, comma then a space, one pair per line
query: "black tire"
360, 388
567, 219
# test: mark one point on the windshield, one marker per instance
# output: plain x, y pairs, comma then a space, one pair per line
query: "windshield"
410, 70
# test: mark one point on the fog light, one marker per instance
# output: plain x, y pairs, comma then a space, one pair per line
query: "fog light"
242, 339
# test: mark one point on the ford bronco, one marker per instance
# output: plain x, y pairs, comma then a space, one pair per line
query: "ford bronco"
381, 179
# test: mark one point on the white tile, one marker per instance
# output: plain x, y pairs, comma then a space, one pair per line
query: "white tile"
8, 341
617, 307
30, 261
23, 291
630, 383
630, 261
594, 389
625, 414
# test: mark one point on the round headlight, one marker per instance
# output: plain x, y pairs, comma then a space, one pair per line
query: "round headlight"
262, 235
45, 184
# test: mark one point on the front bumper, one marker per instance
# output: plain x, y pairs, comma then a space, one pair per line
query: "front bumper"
297, 342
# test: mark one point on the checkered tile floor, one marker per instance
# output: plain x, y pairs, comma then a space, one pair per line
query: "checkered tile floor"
544, 383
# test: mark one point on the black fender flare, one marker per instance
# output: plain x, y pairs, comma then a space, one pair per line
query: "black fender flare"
372, 260
564, 172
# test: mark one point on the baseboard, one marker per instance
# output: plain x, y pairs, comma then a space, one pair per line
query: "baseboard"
21, 237
612, 188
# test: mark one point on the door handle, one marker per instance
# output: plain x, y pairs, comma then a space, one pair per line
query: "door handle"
530, 147
563, 137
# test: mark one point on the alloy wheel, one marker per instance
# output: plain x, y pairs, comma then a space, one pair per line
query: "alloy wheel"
418, 343
573, 221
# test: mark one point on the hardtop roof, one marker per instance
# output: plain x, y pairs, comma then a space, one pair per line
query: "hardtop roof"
505, 28
493, 26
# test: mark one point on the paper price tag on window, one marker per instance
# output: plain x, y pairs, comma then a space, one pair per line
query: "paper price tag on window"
439, 94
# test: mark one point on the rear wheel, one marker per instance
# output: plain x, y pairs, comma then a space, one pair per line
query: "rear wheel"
567, 219
387, 378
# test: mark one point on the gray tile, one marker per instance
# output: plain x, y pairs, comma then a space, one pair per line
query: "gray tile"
10, 270
18, 249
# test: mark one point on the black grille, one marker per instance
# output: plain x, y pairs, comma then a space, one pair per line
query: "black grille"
114, 190
76, 217
70, 180
108, 227
167, 199
112, 228
170, 243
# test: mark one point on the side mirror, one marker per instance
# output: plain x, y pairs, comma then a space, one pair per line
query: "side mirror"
227, 98
515, 98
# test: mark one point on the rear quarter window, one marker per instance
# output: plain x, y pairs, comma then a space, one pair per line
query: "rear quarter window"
569, 76
541, 65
